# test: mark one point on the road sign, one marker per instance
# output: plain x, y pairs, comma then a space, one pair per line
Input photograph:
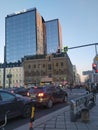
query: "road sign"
87, 72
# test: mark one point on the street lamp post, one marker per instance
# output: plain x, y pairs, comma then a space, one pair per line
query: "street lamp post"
4, 67
9, 76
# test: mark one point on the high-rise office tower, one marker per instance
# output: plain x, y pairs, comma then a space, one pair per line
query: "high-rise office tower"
25, 34
54, 35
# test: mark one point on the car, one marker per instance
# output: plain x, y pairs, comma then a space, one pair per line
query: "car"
48, 95
19, 90
14, 105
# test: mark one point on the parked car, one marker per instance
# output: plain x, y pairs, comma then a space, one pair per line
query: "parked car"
14, 104
48, 95
19, 90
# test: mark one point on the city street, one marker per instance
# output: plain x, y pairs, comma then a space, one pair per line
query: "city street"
41, 111
48, 64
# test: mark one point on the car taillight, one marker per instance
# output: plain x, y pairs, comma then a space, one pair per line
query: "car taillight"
40, 94
28, 94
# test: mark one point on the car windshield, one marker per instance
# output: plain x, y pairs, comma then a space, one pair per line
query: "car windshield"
38, 89
35, 89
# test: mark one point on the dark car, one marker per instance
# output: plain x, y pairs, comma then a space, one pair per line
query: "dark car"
19, 90
14, 104
48, 95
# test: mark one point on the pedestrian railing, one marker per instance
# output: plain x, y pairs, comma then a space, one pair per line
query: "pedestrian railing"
78, 104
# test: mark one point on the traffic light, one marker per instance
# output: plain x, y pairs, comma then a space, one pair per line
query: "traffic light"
65, 48
94, 66
96, 71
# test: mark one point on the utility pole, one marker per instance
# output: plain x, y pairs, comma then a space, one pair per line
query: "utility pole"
96, 49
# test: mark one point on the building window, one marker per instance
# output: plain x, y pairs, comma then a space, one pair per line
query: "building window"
56, 64
29, 66
49, 58
34, 66
49, 67
43, 65
39, 65
62, 63
43, 74
16, 81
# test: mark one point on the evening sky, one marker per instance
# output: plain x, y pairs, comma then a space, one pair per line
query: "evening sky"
78, 18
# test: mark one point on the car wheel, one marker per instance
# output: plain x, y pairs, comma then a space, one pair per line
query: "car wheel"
50, 103
26, 111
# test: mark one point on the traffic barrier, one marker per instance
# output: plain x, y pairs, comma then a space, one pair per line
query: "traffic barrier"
32, 118
77, 105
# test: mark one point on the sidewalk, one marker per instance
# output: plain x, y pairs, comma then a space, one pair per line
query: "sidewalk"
60, 120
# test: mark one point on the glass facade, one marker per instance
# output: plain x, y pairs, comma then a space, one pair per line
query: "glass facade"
20, 36
40, 34
53, 36
26, 33
24, 36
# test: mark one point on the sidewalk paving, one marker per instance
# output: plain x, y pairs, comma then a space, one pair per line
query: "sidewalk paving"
60, 120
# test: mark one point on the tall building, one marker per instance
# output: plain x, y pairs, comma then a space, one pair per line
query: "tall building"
25, 34
53, 36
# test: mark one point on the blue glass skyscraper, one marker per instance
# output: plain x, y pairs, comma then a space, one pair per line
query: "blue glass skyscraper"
24, 35
54, 36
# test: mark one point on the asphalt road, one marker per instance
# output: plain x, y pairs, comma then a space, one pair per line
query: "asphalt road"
16, 122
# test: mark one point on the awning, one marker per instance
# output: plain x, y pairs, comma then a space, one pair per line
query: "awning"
46, 79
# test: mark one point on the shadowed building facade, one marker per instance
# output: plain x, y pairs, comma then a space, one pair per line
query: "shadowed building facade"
50, 68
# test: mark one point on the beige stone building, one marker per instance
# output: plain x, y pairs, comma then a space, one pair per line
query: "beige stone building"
1, 77
17, 77
14, 76
50, 68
